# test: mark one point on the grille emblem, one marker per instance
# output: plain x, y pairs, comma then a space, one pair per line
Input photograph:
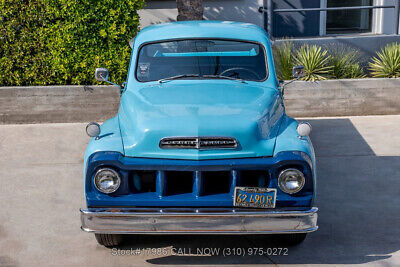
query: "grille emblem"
199, 142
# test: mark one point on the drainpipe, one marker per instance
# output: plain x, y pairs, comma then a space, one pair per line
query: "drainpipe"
269, 17
396, 16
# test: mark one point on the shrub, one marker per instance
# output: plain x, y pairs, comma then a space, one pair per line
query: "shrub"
284, 60
337, 62
45, 42
345, 63
315, 61
23, 48
387, 62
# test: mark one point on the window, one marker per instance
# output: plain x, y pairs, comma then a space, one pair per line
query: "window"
348, 21
201, 58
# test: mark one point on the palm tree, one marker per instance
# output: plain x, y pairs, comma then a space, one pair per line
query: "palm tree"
190, 10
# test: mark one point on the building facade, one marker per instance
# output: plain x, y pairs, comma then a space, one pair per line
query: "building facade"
364, 24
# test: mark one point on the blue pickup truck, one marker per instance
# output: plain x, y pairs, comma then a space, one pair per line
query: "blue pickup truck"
201, 143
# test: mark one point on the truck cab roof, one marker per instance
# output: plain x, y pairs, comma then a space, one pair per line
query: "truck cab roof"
202, 29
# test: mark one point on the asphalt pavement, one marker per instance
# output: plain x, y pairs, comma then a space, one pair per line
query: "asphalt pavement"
41, 191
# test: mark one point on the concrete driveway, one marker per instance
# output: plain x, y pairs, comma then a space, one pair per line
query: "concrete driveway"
358, 196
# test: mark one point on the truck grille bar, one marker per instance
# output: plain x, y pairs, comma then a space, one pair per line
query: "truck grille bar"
213, 142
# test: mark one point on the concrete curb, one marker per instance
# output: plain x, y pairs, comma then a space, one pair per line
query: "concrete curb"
355, 97
41, 104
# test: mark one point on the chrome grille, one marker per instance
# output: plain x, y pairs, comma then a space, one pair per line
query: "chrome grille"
206, 142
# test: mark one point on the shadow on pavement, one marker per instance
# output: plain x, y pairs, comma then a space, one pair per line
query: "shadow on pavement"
358, 197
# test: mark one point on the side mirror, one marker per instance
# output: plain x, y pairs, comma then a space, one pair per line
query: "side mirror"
101, 74
298, 71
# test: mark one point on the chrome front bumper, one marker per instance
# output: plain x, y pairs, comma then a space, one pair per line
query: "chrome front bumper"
198, 221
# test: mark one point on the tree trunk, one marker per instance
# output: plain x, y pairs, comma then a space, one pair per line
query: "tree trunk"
189, 10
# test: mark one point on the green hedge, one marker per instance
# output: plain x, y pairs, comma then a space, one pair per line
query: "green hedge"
46, 42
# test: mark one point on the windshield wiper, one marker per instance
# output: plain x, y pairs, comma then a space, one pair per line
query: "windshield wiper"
224, 77
178, 77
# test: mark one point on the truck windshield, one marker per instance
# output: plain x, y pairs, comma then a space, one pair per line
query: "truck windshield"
201, 59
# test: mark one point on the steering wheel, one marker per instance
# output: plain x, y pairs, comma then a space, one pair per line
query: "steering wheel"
240, 68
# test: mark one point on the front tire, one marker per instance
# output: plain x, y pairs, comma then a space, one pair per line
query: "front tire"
291, 239
109, 240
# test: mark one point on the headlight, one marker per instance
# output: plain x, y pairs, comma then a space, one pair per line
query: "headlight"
291, 181
107, 180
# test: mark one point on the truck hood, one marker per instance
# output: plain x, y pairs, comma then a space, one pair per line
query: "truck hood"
249, 112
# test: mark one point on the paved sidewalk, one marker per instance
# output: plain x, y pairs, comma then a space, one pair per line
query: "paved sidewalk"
41, 191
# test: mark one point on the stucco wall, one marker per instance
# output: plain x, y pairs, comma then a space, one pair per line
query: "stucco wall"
159, 11
383, 19
231, 10
97, 103
247, 11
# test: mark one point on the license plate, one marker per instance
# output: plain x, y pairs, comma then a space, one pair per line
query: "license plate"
254, 197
